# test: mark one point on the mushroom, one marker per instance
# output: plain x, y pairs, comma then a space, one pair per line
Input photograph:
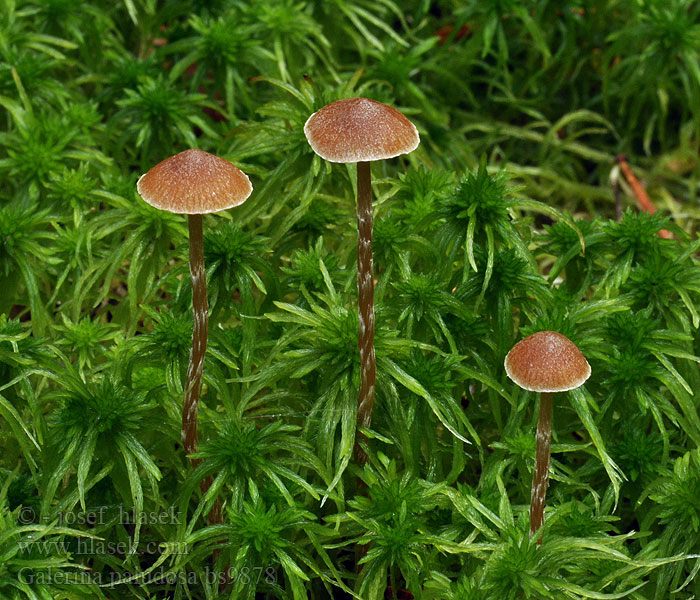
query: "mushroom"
362, 130
545, 362
194, 183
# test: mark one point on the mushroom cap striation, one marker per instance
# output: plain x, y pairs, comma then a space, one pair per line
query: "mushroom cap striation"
547, 361
359, 130
194, 182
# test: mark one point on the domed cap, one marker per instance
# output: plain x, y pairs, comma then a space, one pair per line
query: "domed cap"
547, 361
194, 182
358, 130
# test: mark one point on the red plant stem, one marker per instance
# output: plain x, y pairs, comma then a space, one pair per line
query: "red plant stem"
365, 290
200, 308
540, 478
445, 32
639, 192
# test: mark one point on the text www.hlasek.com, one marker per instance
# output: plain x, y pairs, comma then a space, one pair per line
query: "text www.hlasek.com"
92, 546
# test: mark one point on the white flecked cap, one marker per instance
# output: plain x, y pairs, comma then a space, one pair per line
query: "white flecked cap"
547, 361
358, 130
194, 182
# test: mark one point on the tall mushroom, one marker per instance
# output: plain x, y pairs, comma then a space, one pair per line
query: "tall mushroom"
545, 362
194, 183
362, 130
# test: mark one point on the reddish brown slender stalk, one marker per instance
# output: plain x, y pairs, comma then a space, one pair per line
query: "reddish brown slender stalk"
365, 289
639, 192
540, 478
200, 308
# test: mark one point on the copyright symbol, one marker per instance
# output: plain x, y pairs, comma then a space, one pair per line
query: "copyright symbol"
26, 515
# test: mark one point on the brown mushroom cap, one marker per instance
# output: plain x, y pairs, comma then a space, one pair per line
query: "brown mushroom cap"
194, 183
358, 130
547, 361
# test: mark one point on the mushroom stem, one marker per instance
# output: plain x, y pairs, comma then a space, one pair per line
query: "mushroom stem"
200, 332
540, 478
365, 289
200, 308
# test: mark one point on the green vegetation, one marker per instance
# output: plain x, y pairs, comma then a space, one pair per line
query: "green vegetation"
502, 223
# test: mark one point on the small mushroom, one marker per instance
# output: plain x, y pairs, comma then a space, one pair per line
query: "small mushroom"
362, 130
545, 362
194, 183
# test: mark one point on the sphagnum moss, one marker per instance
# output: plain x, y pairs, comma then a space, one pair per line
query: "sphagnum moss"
95, 291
